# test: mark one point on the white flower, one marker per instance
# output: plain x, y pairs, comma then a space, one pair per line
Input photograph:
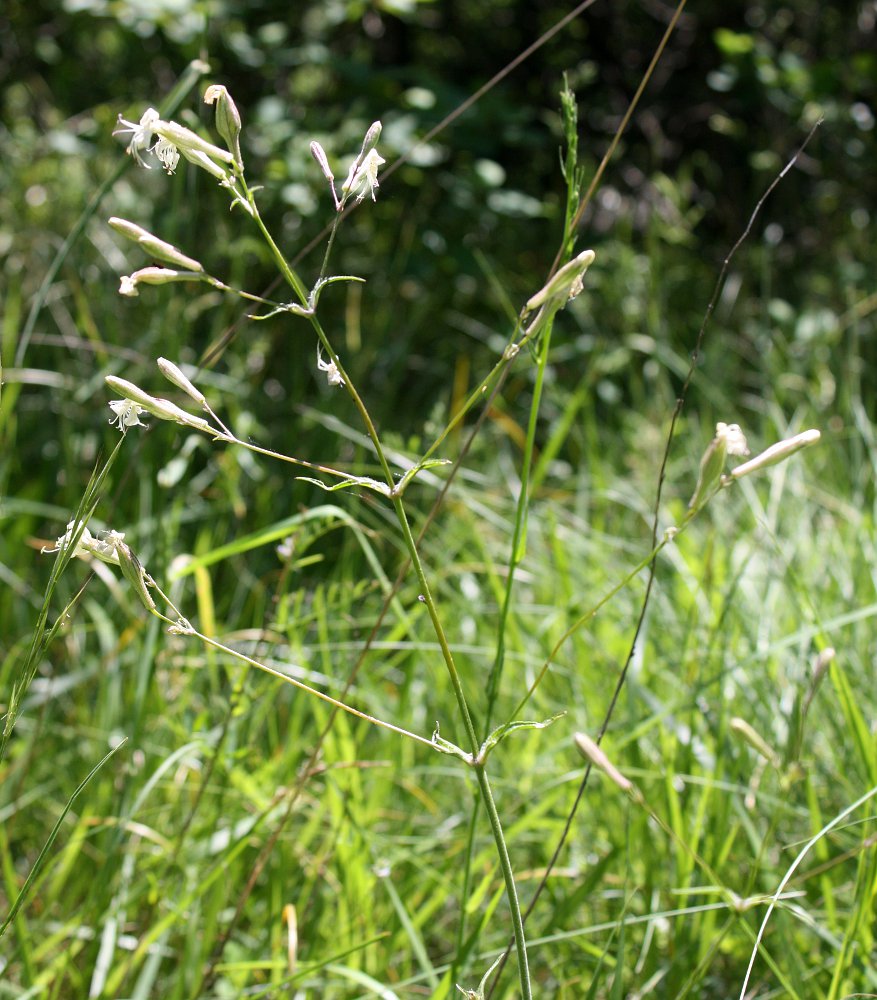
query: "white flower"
330, 368
106, 545
141, 133
365, 180
127, 414
86, 539
735, 441
168, 154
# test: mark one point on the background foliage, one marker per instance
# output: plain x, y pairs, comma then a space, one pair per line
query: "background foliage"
162, 845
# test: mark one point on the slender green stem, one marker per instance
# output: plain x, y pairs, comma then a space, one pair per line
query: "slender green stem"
519, 536
464, 891
517, 552
289, 274
223, 287
298, 287
330, 243
509, 877
426, 596
233, 439
479, 768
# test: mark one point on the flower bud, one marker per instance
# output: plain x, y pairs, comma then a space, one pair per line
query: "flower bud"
130, 391
592, 752
821, 665
154, 246
154, 276
371, 140
319, 154
167, 410
565, 285
173, 374
776, 453
228, 119
742, 728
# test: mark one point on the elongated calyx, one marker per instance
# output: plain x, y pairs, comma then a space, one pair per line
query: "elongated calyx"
729, 440
564, 285
164, 409
776, 453
228, 119
154, 246
592, 752
155, 276
173, 374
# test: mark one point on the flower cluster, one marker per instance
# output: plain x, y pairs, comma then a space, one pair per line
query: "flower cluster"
105, 546
135, 401
109, 547
362, 177
172, 140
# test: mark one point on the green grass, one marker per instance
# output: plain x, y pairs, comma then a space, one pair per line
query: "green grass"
166, 869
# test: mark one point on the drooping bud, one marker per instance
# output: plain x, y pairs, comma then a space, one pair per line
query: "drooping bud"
130, 391
319, 154
173, 374
592, 752
154, 276
820, 667
228, 119
776, 453
166, 252
746, 732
